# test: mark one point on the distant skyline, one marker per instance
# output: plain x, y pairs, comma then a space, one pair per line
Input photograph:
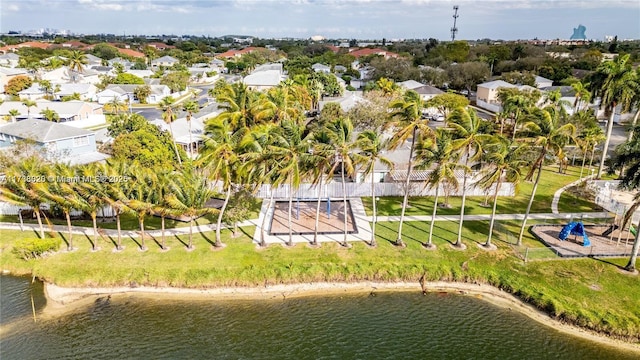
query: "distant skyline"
360, 19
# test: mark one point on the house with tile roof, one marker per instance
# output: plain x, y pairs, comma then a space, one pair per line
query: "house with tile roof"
234, 53
166, 61
76, 113
87, 92
6, 74
375, 51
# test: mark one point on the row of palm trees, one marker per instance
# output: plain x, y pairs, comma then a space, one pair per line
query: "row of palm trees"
121, 186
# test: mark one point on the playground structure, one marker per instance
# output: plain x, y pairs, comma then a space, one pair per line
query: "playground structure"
576, 229
616, 243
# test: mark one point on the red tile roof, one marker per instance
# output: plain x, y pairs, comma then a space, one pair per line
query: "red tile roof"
367, 51
234, 53
35, 44
132, 53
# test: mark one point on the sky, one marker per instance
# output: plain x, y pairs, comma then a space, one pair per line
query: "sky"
333, 19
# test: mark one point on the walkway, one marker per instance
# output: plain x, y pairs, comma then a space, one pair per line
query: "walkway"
558, 193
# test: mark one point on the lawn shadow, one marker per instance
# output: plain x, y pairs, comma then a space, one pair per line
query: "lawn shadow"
180, 240
66, 242
606, 262
385, 226
138, 243
155, 240
207, 239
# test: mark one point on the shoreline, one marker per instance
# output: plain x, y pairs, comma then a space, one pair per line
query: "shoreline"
62, 299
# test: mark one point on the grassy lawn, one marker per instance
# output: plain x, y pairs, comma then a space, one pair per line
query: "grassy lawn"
588, 292
550, 181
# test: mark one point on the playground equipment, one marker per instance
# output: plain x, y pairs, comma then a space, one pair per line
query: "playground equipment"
610, 230
577, 229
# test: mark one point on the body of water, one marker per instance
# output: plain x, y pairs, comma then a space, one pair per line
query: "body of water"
385, 326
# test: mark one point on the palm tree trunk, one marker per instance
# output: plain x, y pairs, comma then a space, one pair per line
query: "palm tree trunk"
526, 214
631, 266
190, 234
218, 242
141, 222
94, 215
119, 246
37, 211
493, 212
405, 201
464, 199
68, 216
344, 201
433, 217
290, 243
190, 140
162, 231
315, 228
375, 214
263, 242
175, 147
606, 141
633, 125
584, 158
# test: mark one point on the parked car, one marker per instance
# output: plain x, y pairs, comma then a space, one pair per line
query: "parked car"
437, 117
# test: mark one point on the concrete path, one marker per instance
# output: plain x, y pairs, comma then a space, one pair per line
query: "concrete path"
558, 193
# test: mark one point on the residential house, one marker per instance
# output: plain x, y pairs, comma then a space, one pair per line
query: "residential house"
321, 68
410, 84
427, 92
76, 113
543, 82
92, 60
63, 75
140, 73
126, 64
35, 44
265, 77
59, 142
339, 69
126, 93
34, 92
189, 135
87, 92
6, 74
203, 74
233, 53
9, 60
376, 51
346, 102
166, 61
487, 94
160, 46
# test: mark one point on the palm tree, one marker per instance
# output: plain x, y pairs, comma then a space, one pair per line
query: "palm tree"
238, 102
581, 94
29, 104
588, 139
47, 87
505, 160
544, 133
371, 149
14, 113
618, 87
191, 107
189, 193
141, 196
116, 191
437, 153
91, 193
321, 155
116, 105
142, 92
77, 61
61, 192
220, 159
289, 148
20, 186
162, 206
341, 135
50, 115
465, 126
407, 119
166, 104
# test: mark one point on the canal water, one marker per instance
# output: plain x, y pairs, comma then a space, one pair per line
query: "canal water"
385, 326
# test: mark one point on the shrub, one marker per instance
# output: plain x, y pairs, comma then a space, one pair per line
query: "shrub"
33, 248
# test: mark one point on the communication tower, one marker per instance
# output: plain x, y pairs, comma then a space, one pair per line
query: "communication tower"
454, 29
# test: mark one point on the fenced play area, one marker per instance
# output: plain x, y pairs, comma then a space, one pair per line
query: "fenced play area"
303, 217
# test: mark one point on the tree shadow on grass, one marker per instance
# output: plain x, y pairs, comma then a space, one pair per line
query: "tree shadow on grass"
64, 239
180, 240
207, 239
155, 240
607, 262
138, 243
385, 226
